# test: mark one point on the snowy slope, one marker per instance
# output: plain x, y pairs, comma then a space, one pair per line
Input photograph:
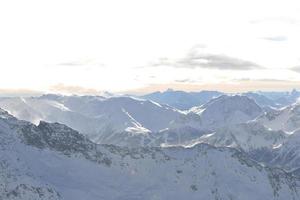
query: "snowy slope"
287, 156
52, 161
287, 118
246, 136
14, 184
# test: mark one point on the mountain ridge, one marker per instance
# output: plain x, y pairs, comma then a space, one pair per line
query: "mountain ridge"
192, 173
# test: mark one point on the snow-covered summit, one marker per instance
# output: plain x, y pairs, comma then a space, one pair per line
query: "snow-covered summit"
227, 110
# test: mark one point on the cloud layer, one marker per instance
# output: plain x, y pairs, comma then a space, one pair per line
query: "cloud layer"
296, 69
209, 61
279, 38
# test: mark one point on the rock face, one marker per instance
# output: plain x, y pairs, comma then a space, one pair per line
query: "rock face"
52, 161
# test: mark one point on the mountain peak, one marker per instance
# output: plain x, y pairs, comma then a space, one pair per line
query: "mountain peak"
227, 110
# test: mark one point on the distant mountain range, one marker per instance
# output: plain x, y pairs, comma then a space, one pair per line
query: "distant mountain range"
182, 100
186, 100
228, 146
129, 121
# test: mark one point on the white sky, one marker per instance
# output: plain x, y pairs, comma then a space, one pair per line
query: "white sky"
62, 45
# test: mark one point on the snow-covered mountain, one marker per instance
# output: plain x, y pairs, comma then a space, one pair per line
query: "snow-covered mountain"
52, 161
186, 100
227, 110
286, 119
128, 121
104, 120
182, 100
246, 136
287, 156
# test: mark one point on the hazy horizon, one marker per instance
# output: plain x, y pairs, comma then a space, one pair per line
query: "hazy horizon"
142, 91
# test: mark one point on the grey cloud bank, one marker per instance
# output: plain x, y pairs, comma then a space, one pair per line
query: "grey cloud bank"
209, 61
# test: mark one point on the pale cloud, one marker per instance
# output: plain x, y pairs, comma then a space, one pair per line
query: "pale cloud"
285, 20
214, 61
19, 92
187, 80
74, 63
82, 63
296, 69
72, 89
209, 61
260, 80
279, 38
